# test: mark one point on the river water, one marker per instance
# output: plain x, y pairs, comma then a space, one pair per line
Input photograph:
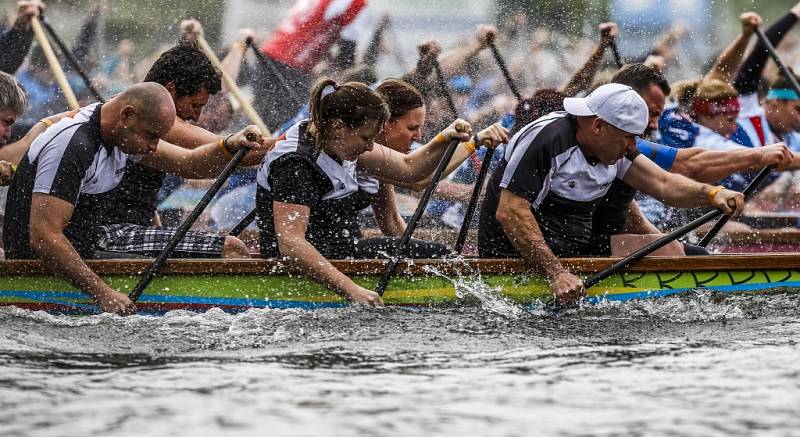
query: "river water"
695, 365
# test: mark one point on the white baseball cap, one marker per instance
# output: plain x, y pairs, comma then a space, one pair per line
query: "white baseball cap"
619, 105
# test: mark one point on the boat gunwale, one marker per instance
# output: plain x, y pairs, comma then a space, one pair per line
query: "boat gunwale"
273, 267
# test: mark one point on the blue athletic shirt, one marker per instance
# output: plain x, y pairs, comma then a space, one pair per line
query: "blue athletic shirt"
663, 156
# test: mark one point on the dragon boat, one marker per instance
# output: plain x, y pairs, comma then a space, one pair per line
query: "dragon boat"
235, 286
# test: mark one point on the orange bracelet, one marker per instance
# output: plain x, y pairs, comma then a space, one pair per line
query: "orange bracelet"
470, 146
440, 138
221, 146
713, 193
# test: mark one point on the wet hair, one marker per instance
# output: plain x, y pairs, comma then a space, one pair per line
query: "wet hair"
354, 103
715, 90
400, 96
683, 92
188, 68
640, 77
12, 96
543, 102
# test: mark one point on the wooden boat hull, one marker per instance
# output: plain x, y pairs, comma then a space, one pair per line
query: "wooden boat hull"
234, 286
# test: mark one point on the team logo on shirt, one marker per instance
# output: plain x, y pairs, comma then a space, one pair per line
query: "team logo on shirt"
572, 184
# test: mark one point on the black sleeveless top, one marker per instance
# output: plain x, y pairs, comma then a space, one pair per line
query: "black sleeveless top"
296, 172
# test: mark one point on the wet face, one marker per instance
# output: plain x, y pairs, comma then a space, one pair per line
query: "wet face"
405, 131
655, 100
613, 143
188, 108
723, 124
7, 119
348, 144
783, 115
140, 132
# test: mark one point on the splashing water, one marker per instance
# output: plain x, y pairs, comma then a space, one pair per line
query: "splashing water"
490, 298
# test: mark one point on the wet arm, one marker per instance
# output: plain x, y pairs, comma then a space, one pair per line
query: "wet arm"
582, 79
712, 165
14, 152
384, 207
461, 155
520, 226
202, 162
399, 169
292, 244
189, 136
729, 61
49, 217
749, 75
673, 189
637, 223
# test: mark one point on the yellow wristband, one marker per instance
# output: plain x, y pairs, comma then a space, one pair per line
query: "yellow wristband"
221, 146
440, 138
713, 193
470, 146
47, 122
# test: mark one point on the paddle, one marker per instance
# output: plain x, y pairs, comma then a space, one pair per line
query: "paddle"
71, 58
749, 192
473, 201
443, 88
672, 236
412, 224
55, 66
187, 224
230, 83
487, 159
243, 224
503, 68
614, 50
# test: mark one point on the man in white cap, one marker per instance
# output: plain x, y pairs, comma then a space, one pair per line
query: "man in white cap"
540, 201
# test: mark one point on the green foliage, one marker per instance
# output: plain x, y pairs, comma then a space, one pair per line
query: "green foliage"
568, 16
151, 21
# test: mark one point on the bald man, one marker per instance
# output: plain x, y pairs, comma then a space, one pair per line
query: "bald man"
55, 199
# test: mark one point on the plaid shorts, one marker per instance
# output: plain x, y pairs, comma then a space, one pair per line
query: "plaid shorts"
151, 240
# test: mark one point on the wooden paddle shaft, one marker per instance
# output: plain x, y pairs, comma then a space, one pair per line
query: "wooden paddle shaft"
232, 87
55, 66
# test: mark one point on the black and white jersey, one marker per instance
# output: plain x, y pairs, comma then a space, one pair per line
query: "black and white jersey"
296, 172
544, 164
135, 199
70, 162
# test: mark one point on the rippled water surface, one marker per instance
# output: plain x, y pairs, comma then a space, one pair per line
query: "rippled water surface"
696, 365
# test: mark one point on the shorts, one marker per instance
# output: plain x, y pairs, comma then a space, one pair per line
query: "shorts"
151, 240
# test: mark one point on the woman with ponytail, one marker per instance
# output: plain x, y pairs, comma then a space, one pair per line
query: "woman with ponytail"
324, 170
